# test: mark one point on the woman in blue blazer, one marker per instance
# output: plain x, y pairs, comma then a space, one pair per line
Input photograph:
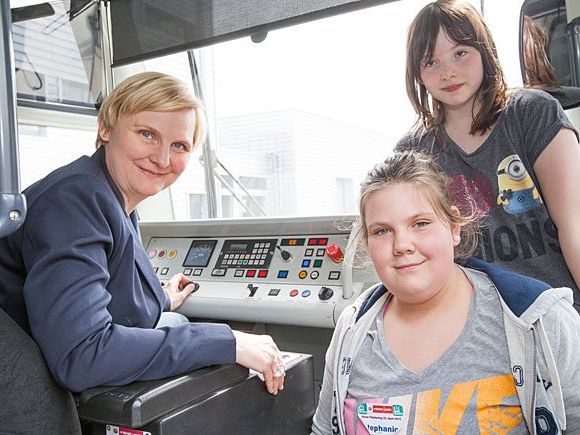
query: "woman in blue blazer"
75, 275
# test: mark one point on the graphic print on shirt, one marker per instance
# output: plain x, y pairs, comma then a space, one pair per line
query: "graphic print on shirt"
491, 403
517, 192
502, 238
472, 194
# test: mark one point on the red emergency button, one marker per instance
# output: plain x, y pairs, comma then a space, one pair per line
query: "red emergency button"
335, 253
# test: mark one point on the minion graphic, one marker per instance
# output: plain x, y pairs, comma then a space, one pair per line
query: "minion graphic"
517, 193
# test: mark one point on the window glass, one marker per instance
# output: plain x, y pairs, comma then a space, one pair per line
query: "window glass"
298, 119
50, 66
301, 117
45, 148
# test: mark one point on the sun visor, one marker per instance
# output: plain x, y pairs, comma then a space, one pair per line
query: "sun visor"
143, 29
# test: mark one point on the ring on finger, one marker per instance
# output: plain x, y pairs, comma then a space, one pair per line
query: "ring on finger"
279, 372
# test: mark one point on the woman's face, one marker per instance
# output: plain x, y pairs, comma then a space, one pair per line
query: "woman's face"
147, 151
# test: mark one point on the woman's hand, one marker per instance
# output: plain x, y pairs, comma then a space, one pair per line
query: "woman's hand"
260, 353
178, 288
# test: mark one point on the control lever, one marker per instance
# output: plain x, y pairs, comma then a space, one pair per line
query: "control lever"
286, 256
325, 293
195, 286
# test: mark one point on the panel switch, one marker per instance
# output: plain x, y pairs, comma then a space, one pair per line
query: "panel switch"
253, 289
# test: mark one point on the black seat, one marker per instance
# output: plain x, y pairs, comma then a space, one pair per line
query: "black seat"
31, 402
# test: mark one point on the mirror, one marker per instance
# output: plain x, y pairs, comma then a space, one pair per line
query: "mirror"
550, 48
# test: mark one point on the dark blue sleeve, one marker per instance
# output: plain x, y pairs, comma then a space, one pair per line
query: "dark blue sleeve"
68, 242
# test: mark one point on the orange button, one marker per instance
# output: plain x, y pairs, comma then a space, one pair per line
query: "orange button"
303, 274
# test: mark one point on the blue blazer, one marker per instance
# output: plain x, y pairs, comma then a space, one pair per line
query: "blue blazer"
76, 277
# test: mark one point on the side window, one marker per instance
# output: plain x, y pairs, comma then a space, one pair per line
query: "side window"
43, 148
57, 65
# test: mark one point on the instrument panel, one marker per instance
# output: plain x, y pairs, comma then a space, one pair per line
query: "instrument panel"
282, 275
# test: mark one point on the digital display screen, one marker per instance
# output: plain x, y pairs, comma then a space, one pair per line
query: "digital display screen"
238, 246
246, 254
199, 253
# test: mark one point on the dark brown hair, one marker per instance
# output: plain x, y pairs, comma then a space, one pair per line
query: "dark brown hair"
538, 70
465, 26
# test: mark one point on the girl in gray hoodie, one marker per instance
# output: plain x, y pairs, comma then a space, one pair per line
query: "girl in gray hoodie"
444, 345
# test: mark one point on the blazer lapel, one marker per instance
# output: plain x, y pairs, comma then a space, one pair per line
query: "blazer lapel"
144, 265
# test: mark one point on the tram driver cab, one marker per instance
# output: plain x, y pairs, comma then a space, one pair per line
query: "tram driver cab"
288, 277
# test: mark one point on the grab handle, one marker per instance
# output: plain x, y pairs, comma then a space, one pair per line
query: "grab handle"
12, 202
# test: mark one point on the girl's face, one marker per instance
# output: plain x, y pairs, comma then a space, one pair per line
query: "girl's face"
411, 248
453, 74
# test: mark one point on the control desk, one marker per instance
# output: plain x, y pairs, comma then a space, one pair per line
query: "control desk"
289, 271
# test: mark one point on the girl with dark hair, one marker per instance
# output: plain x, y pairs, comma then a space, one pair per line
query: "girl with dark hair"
515, 154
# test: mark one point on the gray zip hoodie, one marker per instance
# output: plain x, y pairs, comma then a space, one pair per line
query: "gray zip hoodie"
543, 336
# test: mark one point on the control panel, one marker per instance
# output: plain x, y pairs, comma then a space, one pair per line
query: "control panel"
285, 271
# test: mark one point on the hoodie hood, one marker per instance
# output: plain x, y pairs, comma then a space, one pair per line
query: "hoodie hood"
527, 298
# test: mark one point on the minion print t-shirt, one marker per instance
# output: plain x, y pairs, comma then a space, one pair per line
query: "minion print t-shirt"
498, 180
470, 389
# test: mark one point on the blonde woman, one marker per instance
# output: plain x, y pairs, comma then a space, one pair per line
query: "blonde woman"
75, 275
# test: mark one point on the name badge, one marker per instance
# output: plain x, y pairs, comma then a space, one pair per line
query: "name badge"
381, 418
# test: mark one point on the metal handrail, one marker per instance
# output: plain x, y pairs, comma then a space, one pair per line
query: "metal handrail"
12, 202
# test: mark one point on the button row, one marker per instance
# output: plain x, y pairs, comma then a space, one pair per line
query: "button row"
310, 252
256, 262
251, 273
307, 262
162, 253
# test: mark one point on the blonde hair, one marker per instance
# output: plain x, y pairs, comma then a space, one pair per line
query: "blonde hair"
421, 170
155, 92
465, 26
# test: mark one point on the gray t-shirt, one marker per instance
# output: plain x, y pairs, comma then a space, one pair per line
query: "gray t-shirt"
516, 229
470, 389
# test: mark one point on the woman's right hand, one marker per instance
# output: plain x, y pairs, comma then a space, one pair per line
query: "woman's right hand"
260, 353
178, 288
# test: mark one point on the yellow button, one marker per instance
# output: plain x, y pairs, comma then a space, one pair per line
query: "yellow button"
172, 253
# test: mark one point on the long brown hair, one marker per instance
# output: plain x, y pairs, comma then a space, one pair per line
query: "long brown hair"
465, 26
538, 70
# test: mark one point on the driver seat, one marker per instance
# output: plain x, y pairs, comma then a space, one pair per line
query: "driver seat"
31, 402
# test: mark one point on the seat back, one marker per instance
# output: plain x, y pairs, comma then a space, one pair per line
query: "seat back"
31, 402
